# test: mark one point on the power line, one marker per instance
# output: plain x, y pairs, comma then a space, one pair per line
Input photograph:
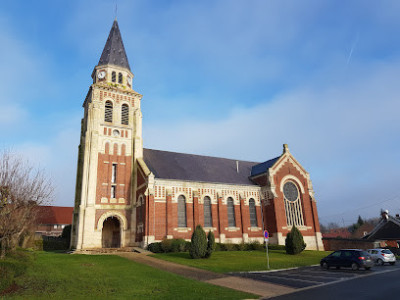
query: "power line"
364, 207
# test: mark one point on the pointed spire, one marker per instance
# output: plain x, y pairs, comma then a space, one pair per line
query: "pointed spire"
114, 50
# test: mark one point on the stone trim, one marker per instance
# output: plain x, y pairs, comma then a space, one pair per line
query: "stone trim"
118, 215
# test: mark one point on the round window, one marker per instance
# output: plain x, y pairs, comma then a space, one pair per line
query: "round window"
290, 191
116, 132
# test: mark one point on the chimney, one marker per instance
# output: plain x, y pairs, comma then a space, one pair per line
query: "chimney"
237, 166
385, 214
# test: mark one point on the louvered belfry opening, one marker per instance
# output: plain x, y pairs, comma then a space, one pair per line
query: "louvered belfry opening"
207, 212
108, 112
119, 77
231, 213
125, 114
113, 76
253, 215
182, 211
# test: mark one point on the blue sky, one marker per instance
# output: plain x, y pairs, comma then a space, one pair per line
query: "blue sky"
233, 79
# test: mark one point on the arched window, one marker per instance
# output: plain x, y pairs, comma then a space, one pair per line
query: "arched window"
123, 150
119, 77
231, 213
207, 212
107, 148
113, 76
115, 149
108, 112
253, 214
293, 210
182, 211
125, 114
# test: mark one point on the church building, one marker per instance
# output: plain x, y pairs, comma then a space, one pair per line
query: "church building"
127, 195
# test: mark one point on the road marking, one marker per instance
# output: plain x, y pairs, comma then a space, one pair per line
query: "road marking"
280, 277
347, 279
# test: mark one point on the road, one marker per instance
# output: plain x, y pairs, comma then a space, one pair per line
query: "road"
372, 286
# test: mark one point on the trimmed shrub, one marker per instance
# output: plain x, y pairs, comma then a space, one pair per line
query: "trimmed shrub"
294, 242
155, 247
219, 247
254, 245
276, 247
51, 243
187, 245
230, 247
66, 234
198, 247
166, 245
210, 243
178, 245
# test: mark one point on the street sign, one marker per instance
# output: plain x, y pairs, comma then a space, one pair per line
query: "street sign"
266, 238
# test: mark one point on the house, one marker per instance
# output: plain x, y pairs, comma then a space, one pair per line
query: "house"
387, 231
51, 220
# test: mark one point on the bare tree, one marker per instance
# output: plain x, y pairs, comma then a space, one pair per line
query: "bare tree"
22, 189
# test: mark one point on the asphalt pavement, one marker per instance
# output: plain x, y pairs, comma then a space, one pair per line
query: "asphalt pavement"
384, 283
311, 276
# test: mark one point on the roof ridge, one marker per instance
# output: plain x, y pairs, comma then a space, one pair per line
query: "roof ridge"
231, 159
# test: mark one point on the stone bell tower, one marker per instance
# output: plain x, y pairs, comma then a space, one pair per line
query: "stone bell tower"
110, 143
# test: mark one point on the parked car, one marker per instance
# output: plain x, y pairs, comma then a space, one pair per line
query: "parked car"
382, 256
351, 258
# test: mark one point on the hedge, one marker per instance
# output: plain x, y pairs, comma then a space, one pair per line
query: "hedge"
176, 245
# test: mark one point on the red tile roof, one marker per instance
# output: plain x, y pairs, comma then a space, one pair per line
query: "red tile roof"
54, 215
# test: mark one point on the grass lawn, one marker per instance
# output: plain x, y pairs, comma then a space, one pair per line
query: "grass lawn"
63, 276
232, 261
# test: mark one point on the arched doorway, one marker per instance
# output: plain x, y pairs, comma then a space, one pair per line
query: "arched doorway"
111, 234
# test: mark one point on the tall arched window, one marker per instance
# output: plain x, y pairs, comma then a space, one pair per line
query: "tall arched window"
119, 77
123, 150
293, 210
182, 211
207, 212
108, 112
113, 76
231, 213
125, 114
115, 149
253, 214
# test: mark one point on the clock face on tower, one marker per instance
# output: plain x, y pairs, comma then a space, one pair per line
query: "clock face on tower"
101, 74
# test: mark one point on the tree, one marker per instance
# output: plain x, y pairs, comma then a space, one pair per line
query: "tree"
294, 242
353, 227
198, 246
360, 221
22, 189
210, 243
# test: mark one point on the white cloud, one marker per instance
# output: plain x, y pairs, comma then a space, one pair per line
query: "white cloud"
343, 133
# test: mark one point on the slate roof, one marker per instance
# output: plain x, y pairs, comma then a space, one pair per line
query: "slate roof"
263, 167
114, 50
190, 167
385, 230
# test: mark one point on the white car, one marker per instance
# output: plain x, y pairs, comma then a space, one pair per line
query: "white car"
381, 256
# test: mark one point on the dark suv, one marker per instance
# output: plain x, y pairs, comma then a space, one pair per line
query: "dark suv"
352, 258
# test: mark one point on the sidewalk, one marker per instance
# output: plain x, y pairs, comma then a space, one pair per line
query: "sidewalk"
263, 289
